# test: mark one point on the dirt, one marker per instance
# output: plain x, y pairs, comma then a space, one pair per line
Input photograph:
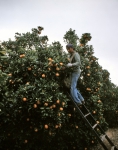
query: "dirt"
113, 135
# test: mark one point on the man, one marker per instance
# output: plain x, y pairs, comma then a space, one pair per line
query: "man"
75, 63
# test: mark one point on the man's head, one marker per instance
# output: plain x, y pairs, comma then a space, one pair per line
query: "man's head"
70, 48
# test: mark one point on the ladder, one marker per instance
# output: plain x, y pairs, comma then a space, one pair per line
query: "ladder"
93, 125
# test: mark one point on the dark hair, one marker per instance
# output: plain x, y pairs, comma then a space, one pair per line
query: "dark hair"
69, 46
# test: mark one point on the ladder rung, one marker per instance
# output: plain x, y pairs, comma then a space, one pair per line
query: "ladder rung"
94, 125
113, 148
87, 114
102, 137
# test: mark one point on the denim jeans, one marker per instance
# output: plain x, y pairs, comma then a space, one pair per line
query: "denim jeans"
77, 97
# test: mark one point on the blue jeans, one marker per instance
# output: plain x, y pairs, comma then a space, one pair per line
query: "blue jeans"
77, 97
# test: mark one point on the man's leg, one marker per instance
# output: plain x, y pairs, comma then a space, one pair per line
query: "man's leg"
80, 96
73, 90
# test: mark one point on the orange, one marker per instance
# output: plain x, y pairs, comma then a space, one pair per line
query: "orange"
28, 119
69, 115
88, 89
9, 74
29, 68
58, 101
61, 63
43, 75
61, 108
94, 112
50, 59
56, 126
36, 130
46, 126
57, 74
88, 74
25, 141
38, 101
99, 101
35, 105
63, 103
54, 106
45, 104
92, 141
57, 68
24, 99
88, 67
76, 127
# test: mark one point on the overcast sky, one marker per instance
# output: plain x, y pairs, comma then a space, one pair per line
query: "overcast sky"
98, 17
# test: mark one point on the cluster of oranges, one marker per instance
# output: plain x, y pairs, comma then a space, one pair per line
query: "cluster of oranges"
50, 65
22, 55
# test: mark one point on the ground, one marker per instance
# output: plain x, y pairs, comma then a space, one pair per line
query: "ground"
112, 133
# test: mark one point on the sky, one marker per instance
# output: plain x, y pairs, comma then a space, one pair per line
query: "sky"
97, 17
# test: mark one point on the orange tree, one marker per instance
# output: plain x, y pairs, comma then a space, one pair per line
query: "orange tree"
35, 110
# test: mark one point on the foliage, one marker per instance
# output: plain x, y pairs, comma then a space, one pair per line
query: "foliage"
35, 109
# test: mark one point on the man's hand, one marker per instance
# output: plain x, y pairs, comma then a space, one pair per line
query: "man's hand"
69, 65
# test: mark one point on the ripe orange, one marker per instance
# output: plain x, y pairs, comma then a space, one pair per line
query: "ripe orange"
50, 59
43, 75
57, 68
57, 74
22, 55
50, 64
28, 119
61, 63
94, 112
46, 126
54, 106
76, 127
69, 115
92, 141
45, 104
56, 126
50, 107
59, 114
10, 74
81, 45
38, 101
63, 103
88, 67
10, 80
26, 141
99, 101
58, 101
35, 105
29, 68
88, 89
27, 83
36, 130
61, 108
88, 74
24, 99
